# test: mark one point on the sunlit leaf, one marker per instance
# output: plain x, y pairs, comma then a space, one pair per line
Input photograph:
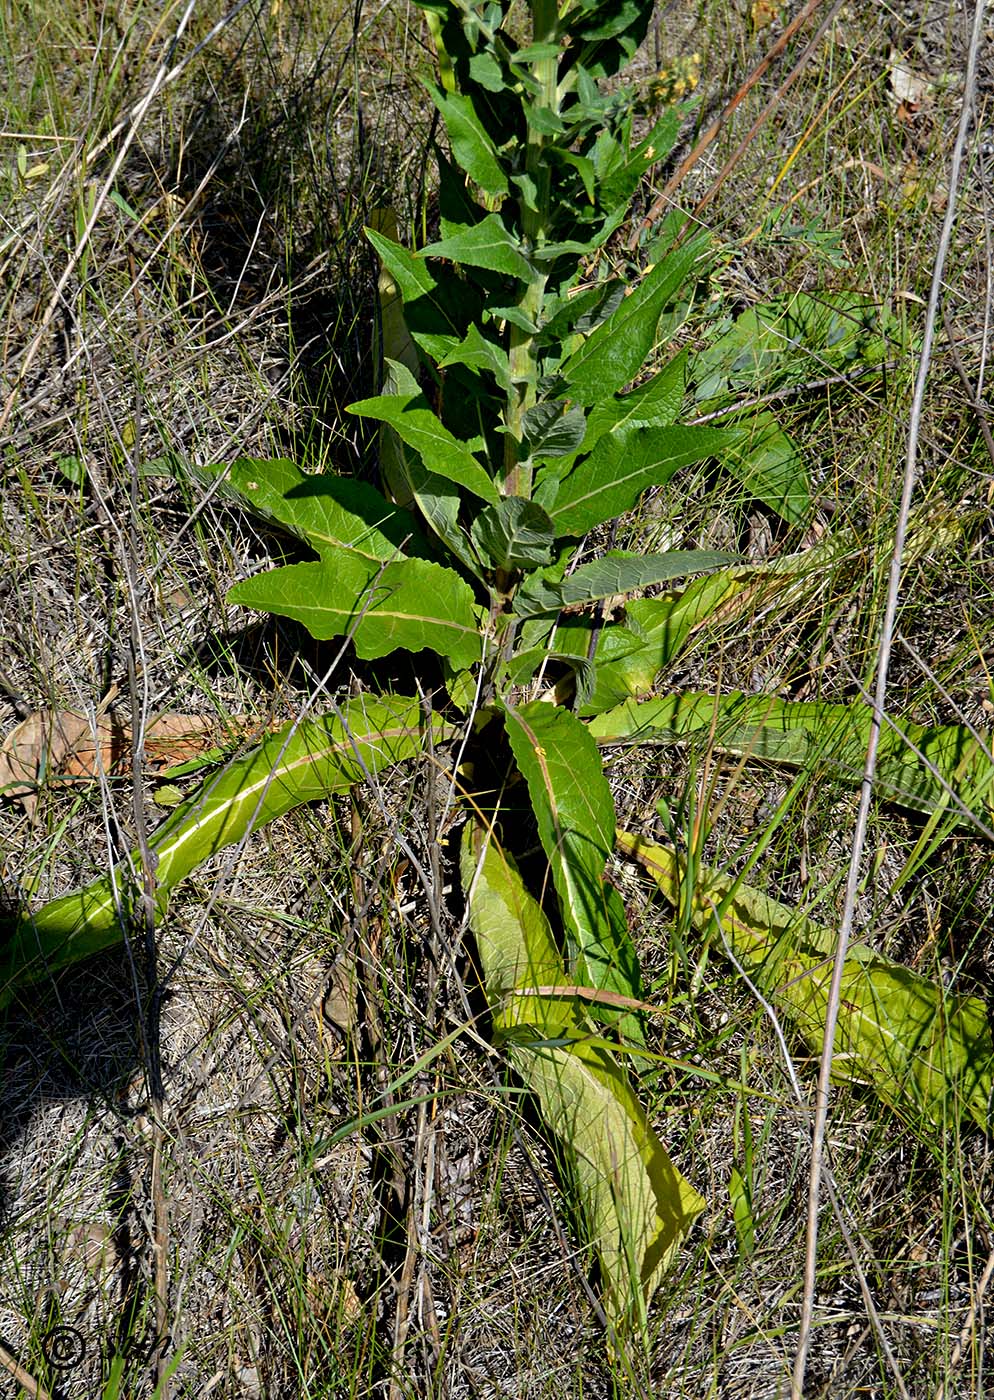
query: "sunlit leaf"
919, 1045
516, 534
300, 763
574, 808
637, 1207
326, 511
470, 142
486, 244
613, 354
916, 764
407, 603
770, 466
622, 466
612, 575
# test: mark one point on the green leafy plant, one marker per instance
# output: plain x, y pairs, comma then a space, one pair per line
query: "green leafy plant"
516, 417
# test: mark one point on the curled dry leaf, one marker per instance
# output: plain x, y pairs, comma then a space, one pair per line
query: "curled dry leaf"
72, 745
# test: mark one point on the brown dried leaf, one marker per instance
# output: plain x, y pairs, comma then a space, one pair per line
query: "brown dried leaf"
66, 743
55, 741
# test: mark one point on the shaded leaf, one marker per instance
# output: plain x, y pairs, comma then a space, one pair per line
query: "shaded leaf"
476, 352
917, 1044
636, 1206
394, 342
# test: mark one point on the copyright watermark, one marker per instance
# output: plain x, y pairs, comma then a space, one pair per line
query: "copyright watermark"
63, 1348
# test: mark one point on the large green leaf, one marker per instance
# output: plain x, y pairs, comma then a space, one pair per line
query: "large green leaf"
549, 432
300, 763
613, 354
654, 404
486, 244
433, 312
326, 511
517, 534
637, 1208
916, 764
774, 342
470, 143
630, 655
574, 810
407, 603
770, 466
443, 454
919, 1045
611, 576
477, 352
622, 466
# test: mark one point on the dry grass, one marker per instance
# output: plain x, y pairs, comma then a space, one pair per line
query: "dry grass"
222, 305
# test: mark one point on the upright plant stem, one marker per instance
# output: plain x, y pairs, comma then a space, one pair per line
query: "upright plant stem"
522, 349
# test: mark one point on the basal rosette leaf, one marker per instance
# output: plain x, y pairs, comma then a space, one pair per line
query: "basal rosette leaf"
769, 464
637, 1208
328, 512
573, 806
920, 1046
917, 765
300, 763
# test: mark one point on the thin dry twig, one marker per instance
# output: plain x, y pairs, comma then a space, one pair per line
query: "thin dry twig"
879, 705
99, 202
971, 1320
23, 1378
661, 201
772, 105
979, 411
